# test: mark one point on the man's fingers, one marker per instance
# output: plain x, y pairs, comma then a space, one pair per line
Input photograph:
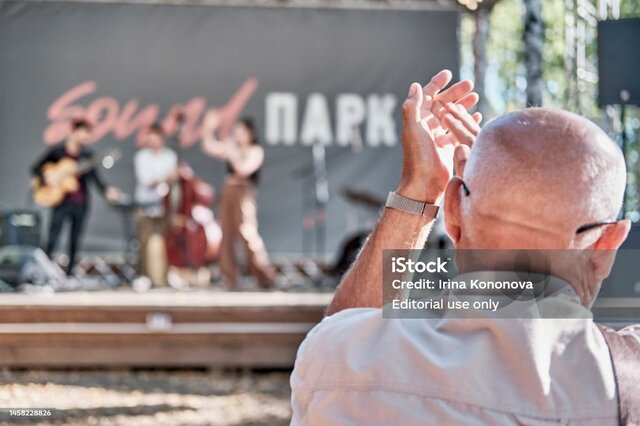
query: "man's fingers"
463, 116
460, 157
460, 93
432, 122
477, 117
458, 130
438, 109
469, 100
411, 105
455, 92
434, 110
437, 83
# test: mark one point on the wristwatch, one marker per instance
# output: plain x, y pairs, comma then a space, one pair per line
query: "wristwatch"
407, 205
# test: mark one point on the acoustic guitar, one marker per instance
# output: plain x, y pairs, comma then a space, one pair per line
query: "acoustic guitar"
61, 178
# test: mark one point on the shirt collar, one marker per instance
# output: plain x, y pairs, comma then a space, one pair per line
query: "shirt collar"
551, 296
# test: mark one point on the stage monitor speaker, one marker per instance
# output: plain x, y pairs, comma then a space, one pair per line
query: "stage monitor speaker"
20, 227
28, 265
619, 62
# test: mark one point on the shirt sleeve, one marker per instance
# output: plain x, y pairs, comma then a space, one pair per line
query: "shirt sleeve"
328, 347
308, 362
94, 175
299, 392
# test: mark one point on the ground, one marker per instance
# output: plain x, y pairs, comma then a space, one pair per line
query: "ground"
150, 397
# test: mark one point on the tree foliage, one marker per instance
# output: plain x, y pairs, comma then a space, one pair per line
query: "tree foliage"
506, 72
506, 83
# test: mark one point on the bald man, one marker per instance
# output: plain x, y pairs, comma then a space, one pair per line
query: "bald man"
534, 179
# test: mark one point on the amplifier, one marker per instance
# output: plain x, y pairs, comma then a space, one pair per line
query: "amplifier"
20, 227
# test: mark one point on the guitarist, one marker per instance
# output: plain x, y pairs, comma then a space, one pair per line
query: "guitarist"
75, 205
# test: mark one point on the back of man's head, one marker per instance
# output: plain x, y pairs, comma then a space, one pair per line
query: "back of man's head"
533, 179
542, 179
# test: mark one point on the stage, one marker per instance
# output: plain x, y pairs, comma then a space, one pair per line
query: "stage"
168, 328
160, 328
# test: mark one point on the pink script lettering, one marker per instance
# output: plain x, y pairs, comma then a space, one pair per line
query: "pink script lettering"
108, 116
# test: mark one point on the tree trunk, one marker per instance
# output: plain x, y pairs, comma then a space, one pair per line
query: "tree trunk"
533, 44
480, 37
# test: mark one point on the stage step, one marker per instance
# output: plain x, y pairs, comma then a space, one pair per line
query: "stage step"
167, 329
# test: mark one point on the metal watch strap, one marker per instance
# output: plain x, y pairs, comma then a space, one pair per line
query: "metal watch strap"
407, 205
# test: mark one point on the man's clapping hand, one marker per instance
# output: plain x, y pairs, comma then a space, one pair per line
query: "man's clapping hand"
436, 125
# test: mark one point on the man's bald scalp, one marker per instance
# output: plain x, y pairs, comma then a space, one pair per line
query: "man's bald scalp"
547, 169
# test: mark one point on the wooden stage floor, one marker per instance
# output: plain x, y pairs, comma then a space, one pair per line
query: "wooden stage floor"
156, 329
168, 328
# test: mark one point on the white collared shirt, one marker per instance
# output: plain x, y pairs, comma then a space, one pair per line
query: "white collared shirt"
150, 167
356, 368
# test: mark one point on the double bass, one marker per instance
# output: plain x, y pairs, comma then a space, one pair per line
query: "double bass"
193, 236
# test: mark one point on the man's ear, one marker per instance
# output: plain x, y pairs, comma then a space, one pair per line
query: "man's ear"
452, 208
613, 236
603, 251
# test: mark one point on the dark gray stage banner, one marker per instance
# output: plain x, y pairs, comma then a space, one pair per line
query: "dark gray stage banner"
310, 77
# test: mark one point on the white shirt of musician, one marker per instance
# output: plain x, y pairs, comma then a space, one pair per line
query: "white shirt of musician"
151, 166
356, 368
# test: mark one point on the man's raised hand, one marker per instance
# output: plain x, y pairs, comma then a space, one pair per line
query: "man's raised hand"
430, 133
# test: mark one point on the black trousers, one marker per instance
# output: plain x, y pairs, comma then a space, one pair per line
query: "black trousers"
76, 214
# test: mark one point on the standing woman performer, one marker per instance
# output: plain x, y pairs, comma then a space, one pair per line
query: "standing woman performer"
237, 211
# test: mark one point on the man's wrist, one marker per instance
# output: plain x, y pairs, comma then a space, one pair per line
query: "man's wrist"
408, 205
430, 194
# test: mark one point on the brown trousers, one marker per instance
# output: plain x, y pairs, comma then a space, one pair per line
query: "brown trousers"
153, 250
239, 221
